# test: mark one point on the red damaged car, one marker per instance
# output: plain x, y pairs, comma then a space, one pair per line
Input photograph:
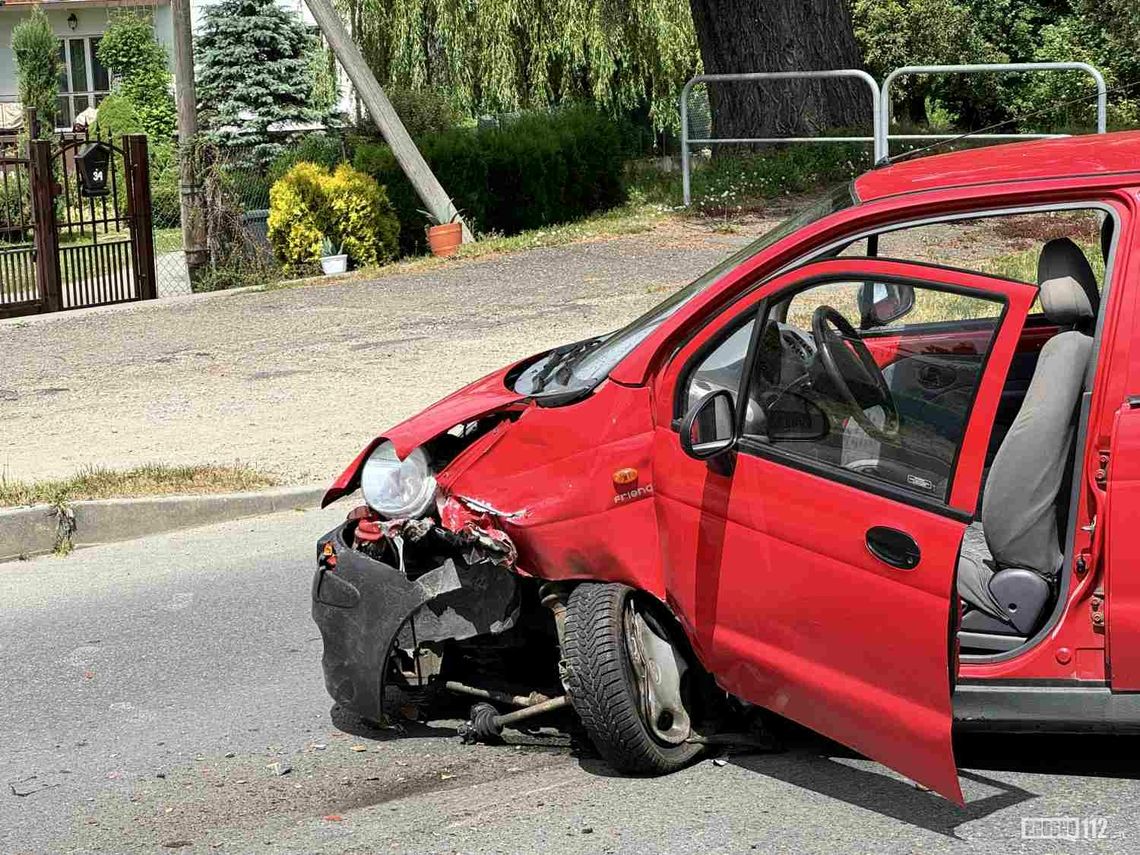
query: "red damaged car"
842, 477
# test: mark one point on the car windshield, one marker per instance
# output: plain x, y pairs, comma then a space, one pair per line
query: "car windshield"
582, 365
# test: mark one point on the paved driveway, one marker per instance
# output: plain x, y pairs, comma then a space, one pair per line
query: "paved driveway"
298, 380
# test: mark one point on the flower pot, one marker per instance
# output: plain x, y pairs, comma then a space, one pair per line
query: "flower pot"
333, 264
445, 240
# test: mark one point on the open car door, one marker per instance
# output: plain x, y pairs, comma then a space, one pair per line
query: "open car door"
814, 564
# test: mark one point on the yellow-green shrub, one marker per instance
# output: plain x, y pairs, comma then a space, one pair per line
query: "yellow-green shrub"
362, 219
309, 204
296, 224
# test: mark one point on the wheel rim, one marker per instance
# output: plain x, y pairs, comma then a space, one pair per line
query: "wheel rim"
658, 671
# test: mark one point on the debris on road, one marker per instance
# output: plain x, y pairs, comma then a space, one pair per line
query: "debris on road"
278, 768
29, 785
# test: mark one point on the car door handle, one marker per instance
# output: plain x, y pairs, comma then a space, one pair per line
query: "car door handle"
893, 547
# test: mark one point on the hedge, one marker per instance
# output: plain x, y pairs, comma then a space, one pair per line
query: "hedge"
528, 172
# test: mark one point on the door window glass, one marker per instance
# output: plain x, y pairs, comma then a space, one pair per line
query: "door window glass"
1005, 245
875, 379
723, 367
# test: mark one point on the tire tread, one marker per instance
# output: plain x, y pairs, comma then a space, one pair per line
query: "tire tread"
600, 683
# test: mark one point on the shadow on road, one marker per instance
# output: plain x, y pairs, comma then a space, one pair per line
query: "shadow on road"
354, 725
874, 791
1086, 755
814, 763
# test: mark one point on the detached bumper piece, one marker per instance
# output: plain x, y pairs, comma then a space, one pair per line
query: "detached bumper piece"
373, 577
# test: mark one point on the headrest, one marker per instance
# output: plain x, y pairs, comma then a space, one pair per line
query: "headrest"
1065, 302
1061, 258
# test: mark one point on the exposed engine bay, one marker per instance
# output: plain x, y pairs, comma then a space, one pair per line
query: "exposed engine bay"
422, 616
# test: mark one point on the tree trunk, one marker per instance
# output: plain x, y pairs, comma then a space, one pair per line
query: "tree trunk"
780, 35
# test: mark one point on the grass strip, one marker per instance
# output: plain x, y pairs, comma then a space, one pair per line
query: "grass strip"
153, 479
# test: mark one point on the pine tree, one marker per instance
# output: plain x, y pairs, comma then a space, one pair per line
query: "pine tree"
253, 73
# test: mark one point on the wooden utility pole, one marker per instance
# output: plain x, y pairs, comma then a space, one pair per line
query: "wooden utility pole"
192, 201
384, 115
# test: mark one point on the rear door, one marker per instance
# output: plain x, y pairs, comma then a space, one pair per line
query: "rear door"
816, 575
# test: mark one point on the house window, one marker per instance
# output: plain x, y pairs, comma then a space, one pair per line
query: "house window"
83, 81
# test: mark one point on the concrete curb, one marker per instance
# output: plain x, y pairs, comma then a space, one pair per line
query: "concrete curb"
32, 531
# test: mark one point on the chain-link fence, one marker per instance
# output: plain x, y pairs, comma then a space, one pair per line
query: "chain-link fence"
234, 194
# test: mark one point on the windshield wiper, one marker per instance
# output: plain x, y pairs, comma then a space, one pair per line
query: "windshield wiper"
560, 358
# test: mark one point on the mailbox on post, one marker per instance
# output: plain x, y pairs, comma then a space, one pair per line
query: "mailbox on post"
92, 162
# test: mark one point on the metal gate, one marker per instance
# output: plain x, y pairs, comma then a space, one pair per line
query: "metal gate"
18, 292
62, 247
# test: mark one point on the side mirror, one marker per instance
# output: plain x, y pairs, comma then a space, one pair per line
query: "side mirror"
709, 428
793, 418
883, 302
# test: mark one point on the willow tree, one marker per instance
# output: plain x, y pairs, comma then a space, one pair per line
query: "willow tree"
503, 55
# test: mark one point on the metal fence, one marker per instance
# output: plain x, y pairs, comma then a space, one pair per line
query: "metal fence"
688, 142
880, 107
236, 191
17, 254
93, 261
884, 128
75, 223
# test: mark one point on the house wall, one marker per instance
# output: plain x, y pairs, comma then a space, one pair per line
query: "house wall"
93, 16
92, 21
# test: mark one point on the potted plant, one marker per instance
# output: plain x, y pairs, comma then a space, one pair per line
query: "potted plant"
333, 259
444, 238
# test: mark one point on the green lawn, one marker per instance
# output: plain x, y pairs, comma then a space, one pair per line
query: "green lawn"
1022, 266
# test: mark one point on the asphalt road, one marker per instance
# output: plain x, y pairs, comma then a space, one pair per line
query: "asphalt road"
148, 687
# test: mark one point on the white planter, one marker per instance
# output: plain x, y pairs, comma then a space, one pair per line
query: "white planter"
333, 264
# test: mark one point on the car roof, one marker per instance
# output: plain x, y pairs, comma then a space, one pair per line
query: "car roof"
1067, 157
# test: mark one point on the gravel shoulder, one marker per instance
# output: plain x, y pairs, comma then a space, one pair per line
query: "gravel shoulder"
295, 381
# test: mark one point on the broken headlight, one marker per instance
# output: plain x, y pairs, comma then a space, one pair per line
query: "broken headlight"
397, 488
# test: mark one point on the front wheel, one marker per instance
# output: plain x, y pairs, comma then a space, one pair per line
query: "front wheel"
627, 680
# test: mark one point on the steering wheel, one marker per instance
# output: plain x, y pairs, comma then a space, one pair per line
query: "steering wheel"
853, 372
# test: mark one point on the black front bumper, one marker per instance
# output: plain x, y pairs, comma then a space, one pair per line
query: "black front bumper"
361, 604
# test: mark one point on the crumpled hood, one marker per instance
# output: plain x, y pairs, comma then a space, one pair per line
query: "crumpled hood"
472, 402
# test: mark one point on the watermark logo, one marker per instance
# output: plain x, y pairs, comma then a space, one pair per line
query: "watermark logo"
1064, 828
